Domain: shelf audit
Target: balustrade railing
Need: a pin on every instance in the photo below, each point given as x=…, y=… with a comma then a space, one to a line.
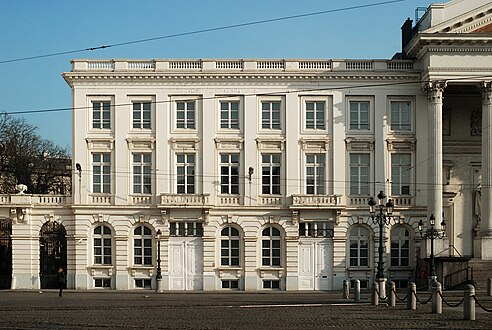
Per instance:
x=184, y=200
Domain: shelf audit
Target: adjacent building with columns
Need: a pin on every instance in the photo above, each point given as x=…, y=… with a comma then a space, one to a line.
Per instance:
x=256, y=174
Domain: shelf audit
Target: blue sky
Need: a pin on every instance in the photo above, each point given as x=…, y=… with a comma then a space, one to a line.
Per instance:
x=32, y=27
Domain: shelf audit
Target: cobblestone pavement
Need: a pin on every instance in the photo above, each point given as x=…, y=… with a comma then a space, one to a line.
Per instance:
x=238, y=310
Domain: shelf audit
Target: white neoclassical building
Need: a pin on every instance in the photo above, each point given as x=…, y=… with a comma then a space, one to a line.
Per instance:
x=256, y=174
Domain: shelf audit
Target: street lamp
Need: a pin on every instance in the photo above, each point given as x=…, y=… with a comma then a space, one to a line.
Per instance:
x=158, y=276
x=381, y=218
x=432, y=233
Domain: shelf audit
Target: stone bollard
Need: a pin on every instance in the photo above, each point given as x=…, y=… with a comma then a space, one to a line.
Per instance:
x=391, y=294
x=469, y=303
x=436, y=298
x=411, y=299
x=489, y=287
x=382, y=287
x=374, y=294
x=357, y=290
x=346, y=288
x=13, y=283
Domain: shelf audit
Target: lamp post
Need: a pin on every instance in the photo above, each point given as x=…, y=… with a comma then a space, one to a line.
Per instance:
x=432, y=233
x=158, y=276
x=381, y=217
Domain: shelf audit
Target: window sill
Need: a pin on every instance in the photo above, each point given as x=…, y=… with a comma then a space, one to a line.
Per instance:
x=108, y=269
x=149, y=270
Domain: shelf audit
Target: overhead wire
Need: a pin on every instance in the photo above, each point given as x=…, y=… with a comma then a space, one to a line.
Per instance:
x=201, y=31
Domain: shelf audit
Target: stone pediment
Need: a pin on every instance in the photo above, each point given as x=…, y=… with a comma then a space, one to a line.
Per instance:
x=458, y=16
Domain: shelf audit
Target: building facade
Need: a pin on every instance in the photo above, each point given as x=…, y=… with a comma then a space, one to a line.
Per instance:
x=256, y=174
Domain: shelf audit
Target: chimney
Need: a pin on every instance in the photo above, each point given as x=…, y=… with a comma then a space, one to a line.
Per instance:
x=406, y=33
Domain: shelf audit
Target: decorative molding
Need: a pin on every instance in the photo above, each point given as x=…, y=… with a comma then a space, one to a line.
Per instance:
x=401, y=144
x=270, y=143
x=315, y=143
x=103, y=144
x=359, y=143
x=185, y=143
x=229, y=143
x=141, y=143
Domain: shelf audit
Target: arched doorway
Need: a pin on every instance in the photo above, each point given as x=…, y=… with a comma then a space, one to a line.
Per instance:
x=5, y=253
x=52, y=253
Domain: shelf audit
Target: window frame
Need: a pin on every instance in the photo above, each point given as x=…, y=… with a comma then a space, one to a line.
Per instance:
x=318, y=183
x=144, y=239
x=359, y=239
x=105, y=235
x=190, y=188
x=359, y=184
x=229, y=258
x=404, y=168
x=397, y=126
x=144, y=176
x=142, y=123
x=370, y=113
x=230, y=182
x=101, y=166
x=270, y=124
x=188, y=122
x=229, y=121
x=272, y=167
x=272, y=247
x=102, y=111
x=396, y=252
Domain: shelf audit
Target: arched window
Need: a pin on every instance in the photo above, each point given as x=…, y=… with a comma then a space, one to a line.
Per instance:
x=229, y=247
x=359, y=247
x=102, y=245
x=400, y=247
x=270, y=247
x=142, y=246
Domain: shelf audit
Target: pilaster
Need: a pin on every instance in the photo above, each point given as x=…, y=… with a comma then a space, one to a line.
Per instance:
x=486, y=190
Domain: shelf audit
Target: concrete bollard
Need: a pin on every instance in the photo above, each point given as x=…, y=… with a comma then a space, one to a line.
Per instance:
x=346, y=288
x=469, y=303
x=382, y=287
x=489, y=287
x=436, y=298
x=374, y=294
x=411, y=299
x=391, y=294
x=357, y=290
x=13, y=283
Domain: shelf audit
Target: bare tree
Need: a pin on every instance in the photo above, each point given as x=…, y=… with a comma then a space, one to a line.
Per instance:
x=26, y=158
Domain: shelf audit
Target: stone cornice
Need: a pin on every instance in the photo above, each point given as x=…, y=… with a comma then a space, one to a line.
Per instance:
x=449, y=43
x=138, y=78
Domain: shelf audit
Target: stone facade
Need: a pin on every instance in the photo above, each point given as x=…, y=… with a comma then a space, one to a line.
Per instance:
x=256, y=174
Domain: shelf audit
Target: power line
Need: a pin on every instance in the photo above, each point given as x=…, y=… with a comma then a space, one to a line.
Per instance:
x=213, y=29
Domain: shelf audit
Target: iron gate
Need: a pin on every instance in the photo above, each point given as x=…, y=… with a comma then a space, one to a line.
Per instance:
x=5, y=253
x=52, y=253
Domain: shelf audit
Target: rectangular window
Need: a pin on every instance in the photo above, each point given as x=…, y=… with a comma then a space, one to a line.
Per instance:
x=143, y=283
x=229, y=114
x=141, y=115
x=315, y=174
x=101, y=173
x=270, y=174
x=184, y=229
x=102, y=283
x=185, y=114
x=230, y=284
x=400, y=174
x=359, y=174
x=142, y=169
x=270, y=115
x=401, y=115
x=315, y=115
x=315, y=229
x=271, y=284
x=229, y=174
x=185, y=173
x=359, y=115
x=101, y=114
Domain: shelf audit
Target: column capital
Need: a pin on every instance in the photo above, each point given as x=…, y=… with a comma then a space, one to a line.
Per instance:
x=434, y=89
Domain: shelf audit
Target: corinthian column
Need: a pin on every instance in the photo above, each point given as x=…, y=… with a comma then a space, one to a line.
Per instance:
x=434, y=92
x=486, y=225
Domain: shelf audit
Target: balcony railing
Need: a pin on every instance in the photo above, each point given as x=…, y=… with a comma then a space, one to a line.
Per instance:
x=244, y=65
x=184, y=200
x=26, y=199
x=315, y=200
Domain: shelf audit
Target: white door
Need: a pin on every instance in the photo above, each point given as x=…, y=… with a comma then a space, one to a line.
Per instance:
x=185, y=263
x=315, y=264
